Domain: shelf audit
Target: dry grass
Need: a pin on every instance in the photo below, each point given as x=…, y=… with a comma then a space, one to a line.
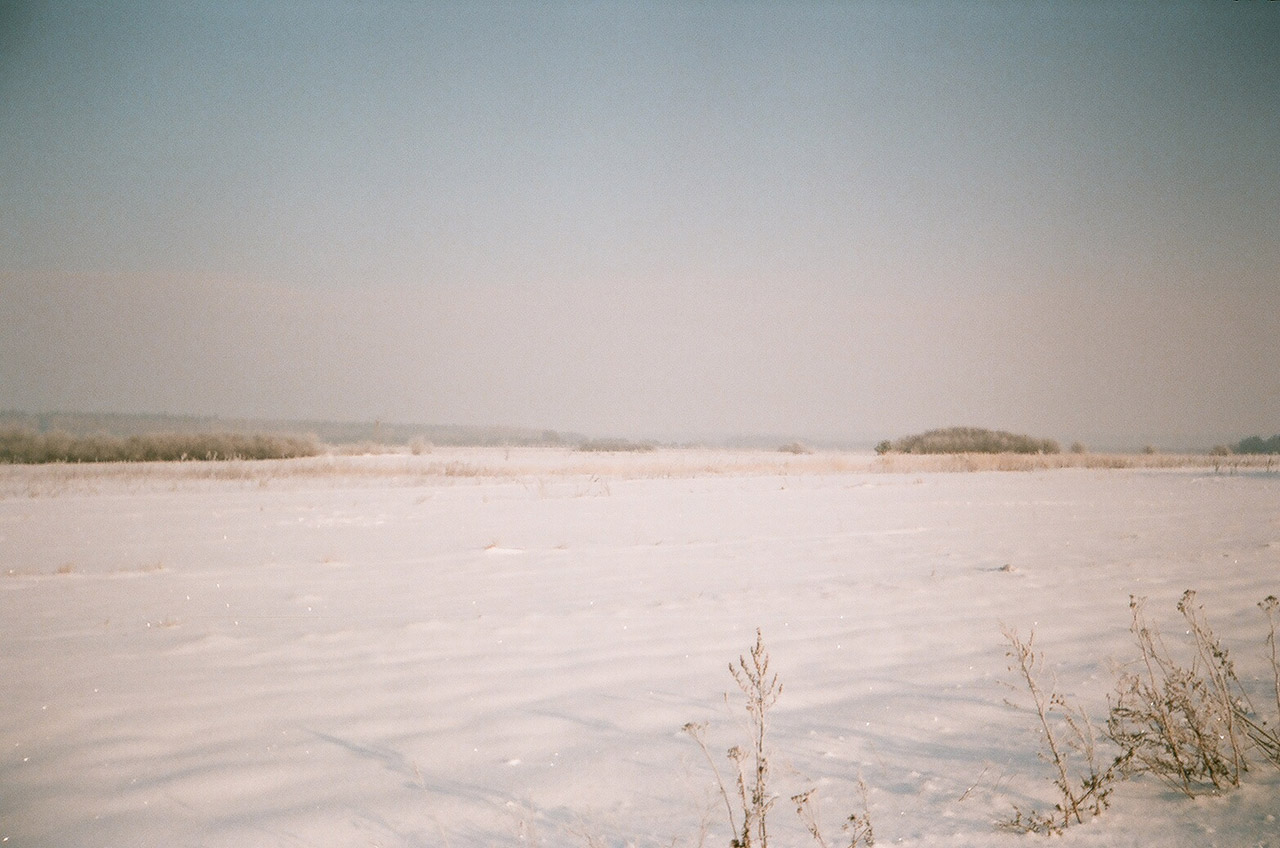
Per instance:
x=913, y=463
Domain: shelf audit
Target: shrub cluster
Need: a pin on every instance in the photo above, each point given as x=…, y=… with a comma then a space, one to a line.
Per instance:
x=20, y=446
x=968, y=440
x=797, y=448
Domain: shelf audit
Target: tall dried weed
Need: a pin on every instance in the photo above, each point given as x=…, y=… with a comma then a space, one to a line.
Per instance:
x=748, y=812
x=1180, y=717
x=1070, y=746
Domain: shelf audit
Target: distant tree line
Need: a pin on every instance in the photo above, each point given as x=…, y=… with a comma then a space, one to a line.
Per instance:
x=968, y=440
x=329, y=432
x=1257, y=444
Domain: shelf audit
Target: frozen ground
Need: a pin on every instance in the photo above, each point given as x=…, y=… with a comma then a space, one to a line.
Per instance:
x=492, y=648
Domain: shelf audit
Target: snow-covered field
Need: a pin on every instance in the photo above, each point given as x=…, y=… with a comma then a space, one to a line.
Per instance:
x=475, y=648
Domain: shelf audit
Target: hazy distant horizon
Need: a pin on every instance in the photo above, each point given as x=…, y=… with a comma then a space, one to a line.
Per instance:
x=342, y=431
x=839, y=222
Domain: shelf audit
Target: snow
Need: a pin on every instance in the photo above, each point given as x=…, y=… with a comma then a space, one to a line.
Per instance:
x=475, y=648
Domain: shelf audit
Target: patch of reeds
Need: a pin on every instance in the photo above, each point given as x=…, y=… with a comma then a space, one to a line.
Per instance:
x=27, y=447
x=615, y=446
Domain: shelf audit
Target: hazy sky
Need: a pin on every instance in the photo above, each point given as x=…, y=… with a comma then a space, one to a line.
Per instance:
x=852, y=220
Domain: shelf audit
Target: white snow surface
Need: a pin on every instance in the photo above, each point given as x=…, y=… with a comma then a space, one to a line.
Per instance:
x=396, y=651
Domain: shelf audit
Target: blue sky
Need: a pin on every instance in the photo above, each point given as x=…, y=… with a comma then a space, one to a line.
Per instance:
x=845, y=220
